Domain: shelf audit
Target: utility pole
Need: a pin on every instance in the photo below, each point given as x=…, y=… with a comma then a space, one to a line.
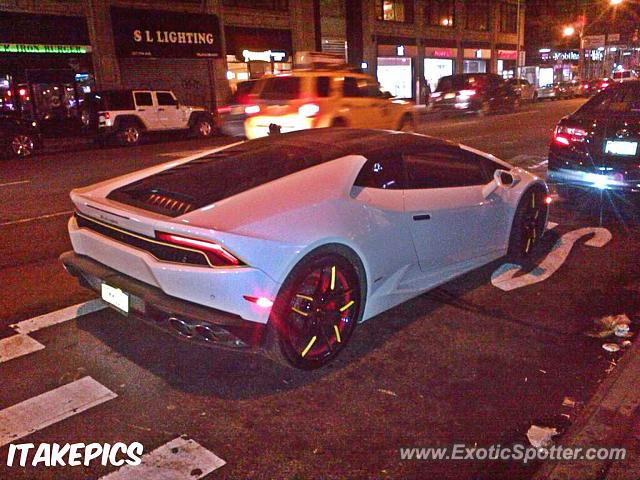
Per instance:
x=518, y=40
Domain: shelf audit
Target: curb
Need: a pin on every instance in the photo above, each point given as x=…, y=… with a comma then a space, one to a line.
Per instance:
x=607, y=421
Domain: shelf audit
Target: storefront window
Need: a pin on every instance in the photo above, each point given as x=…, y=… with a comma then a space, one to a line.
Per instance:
x=441, y=13
x=508, y=17
x=258, y=4
x=395, y=75
x=394, y=10
x=478, y=14
x=474, y=66
x=435, y=69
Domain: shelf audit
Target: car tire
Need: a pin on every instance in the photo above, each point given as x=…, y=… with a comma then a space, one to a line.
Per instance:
x=339, y=123
x=528, y=224
x=407, y=124
x=21, y=145
x=484, y=109
x=129, y=134
x=203, y=128
x=309, y=325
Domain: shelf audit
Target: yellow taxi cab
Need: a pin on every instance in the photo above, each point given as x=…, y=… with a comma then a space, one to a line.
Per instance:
x=305, y=99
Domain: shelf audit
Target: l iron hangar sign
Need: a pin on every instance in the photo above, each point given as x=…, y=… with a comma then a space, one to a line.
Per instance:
x=165, y=34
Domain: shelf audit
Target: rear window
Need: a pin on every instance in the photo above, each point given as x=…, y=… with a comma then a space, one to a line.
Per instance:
x=461, y=82
x=619, y=99
x=621, y=75
x=281, y=88
x=115, y=100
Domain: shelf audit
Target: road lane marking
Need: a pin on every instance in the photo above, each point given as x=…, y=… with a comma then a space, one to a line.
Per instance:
x=184, y=153
x=505, y=278
x=17, y=346
x=19, y=182
x=59, y=316
x=180, y=459
x=33, y=219
x=51, y=407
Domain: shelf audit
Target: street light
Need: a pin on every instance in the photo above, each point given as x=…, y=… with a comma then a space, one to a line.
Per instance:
x=615, y=2
x=568, y=31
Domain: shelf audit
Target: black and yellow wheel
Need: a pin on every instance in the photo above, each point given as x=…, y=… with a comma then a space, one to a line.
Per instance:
x=317, y=309
x=528, y=223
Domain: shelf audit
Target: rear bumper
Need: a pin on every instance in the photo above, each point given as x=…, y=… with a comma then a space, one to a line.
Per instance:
x=576, y=169
x=178, y=317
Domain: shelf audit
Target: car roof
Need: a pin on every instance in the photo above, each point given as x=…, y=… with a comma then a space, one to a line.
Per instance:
x=320, y=73
x=336, y=142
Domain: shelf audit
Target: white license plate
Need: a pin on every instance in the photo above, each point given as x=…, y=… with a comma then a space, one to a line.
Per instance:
x=620, y=147
x=449, y=95
x=115, y=297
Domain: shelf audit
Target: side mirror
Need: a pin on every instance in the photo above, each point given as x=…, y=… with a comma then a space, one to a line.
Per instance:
x=501, y=179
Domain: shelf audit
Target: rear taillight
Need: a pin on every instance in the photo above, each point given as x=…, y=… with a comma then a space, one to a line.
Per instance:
x=565, y=136
x=218, y=256
x=106, y=115
x=604, y=85
x=309, y=110
x=252, y=109
x=223, y=110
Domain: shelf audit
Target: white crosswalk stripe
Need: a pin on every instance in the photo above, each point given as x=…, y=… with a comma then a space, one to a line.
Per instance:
x=59, y=316
x=17, y=346
x=51, y=407
x=180, y=459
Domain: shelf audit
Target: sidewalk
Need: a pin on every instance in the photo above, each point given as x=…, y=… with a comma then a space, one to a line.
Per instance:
x=610, y=419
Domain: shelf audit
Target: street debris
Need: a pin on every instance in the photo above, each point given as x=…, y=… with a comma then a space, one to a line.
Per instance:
x=387, y=392
x=568, y=402
x=612, y=366
x=541, y=437
x=611, y=347
x=611, y=325
x=626, y=344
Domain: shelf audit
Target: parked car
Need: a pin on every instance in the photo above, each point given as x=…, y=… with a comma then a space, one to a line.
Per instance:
x=232, y=115
x=286, y=243
x=323, y=98
x=19, y=138
x=564, y=90
x=524, y=89
x=602, y=84
x=623, y=75
x=597, y=146
x=127, y=115
x=587, y=88
x=549, y=91
x=480, y=93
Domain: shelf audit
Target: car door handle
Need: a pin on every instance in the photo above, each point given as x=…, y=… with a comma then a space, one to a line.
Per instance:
x=422, y=216
x=142, y=109
x=161, y=109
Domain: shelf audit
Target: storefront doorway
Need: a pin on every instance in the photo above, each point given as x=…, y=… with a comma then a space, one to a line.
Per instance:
x=435, y=69
x=474, y=66
x=395, y=75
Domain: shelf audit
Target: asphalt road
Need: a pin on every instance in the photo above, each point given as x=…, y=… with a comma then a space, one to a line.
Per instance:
x=466, y=363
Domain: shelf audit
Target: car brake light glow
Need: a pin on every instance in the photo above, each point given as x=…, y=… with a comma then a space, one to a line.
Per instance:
x=106, y=115
x=548, y=199
x=562, y=140
x=565, y=136
x=604, y=85
x=262, y=302
x=216, y=253
x=309, y=110
x=252, y=109
x=225, y=109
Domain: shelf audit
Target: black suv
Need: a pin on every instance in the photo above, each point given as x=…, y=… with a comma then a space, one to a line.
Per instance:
x=480, y=93
x=597, y=146
x=18, y=137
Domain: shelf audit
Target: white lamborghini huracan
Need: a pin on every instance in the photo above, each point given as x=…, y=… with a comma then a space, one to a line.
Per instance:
x=285, y=243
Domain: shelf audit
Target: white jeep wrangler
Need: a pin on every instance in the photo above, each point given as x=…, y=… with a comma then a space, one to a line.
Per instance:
x=128, y=114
